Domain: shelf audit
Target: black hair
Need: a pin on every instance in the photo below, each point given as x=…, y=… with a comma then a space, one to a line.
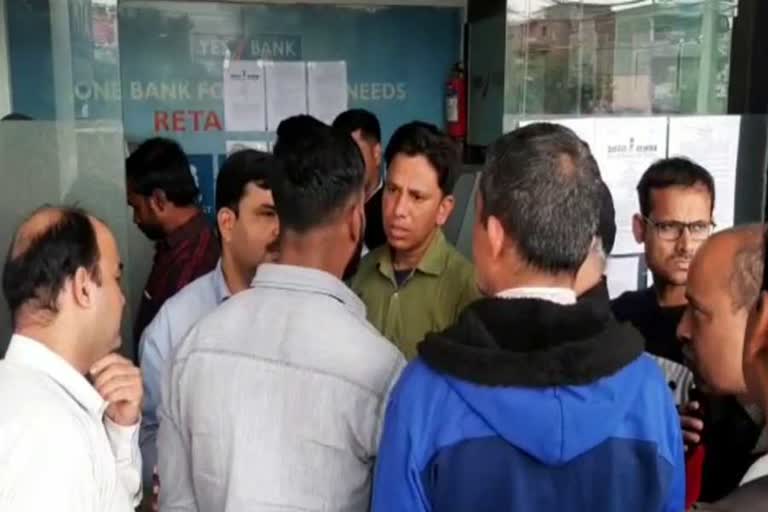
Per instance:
x=317, y=175
x=161, y=164
x=36, y=274
x=359, y=119
x=291, y=131
x=240, y=169
x=16, y=116
x=672, y=172
x=424, y=139
x=542, y=183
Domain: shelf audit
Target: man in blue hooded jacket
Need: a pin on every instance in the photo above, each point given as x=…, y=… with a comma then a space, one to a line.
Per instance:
x=532, y=401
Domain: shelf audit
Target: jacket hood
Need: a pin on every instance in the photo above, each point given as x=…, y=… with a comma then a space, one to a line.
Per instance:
x=553, y=380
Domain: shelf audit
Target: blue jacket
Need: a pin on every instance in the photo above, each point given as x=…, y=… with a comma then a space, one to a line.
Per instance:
x=531, y=406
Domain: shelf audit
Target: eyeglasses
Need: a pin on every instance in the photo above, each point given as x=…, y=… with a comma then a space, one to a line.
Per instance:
x=672, y=230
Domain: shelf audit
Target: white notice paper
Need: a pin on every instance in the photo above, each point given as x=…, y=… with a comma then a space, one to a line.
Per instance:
x=713, y=143
x=327, y=89
x=622, y=275
x=624, y=149
x=244, y=96
x=286, y=91
x=233, y=146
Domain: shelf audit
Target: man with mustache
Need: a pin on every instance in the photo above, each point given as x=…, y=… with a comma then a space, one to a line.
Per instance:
x=676, y=198
x=248, y=227
x=164, y=198
x=417, y=282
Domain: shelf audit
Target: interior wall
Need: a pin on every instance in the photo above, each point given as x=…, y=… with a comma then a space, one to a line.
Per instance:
x=5, y=88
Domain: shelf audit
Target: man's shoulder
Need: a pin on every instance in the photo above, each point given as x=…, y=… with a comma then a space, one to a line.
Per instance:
x=34, y=405
x=185, y=307
x=368, y=270
x=630, y=303
x=370, y=261
x=457, y=260
x=200, y=292
x=306, y=333
x=750, y=497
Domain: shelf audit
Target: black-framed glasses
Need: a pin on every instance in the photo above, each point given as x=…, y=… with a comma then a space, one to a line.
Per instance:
x=672, y=230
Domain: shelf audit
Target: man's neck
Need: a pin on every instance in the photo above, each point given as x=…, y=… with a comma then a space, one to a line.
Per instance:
x=55, y=340
x=669, y=295
x=236, y=277
x=409, y=260
x=318, y=250
x=180, y=217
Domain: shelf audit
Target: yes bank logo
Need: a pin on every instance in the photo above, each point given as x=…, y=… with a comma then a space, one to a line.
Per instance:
x=261, y=46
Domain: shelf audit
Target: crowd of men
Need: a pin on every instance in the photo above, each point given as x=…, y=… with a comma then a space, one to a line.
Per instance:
x=325, y=347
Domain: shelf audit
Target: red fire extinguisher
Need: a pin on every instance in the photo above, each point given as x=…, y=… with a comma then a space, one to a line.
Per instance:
x=456, y=103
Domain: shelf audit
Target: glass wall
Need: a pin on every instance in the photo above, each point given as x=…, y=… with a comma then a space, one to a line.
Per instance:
x=617, y=57
x=70, y=152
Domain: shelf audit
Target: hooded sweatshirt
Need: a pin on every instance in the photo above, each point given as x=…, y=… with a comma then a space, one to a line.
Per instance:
x=527, y=405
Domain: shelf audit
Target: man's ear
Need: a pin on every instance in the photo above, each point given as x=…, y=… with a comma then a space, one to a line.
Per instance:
x=225, y=219
x=496, y=236
x=638, y=228
x=445, y=209
x=356, y=221
x=757, y=346
x=158, y=202
x=82, y=288
x=377, y=154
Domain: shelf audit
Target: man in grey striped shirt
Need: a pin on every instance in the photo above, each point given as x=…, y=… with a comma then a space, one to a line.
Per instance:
x=275, y=400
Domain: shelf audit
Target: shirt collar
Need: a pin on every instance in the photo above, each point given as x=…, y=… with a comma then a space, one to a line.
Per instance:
x=184, y=232
x=310, y=280
x=220, y=288
x=433, y=263
x=32, y=354
x=562, y=296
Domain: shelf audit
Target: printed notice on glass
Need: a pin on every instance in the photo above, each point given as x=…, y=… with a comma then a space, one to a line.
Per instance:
x=624, y=149
x=233, y=146
x=286, y=91
x=327, y=89
x=244, y=93
x=623, y=275
x=713, y=143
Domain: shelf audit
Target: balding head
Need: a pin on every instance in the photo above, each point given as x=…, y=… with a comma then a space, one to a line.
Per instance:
x=723, y=284
x=732, y=260
x=47, y=249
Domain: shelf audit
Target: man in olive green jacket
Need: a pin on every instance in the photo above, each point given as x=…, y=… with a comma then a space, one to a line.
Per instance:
x=417, y=282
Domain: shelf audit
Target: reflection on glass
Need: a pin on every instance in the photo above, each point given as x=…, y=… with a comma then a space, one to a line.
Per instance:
x=64, y=69
x=620, y=56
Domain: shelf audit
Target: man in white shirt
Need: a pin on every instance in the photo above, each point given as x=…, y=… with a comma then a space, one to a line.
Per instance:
x=247, y=224
x=71, y=407
x=275, y=400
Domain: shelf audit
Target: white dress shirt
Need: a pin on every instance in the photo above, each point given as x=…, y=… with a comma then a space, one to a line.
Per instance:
x=57, y=449
x=562, y=296
x=174, y=320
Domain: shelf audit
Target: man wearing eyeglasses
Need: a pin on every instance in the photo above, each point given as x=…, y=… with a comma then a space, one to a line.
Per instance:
x=676, y=198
